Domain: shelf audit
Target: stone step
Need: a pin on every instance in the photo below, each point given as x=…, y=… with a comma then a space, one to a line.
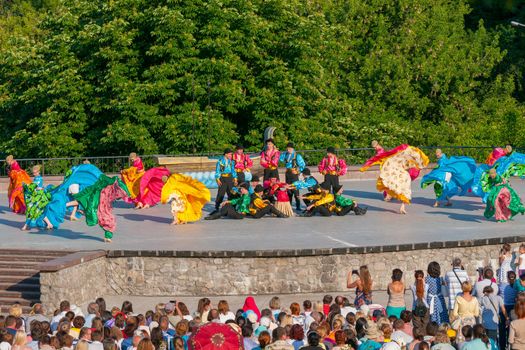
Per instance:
x=7, y=301
x=27, y=257
x=47, y=253
x=31, y=265
x=20, y=287
x=11, y=280
x=17, y=272
x=29, y=295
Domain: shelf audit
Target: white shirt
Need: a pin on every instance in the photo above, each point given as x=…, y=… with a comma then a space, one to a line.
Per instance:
x=56, y=320
x=347, y=309
x=229, y=316
x=479, y=286
x=5, y=346
x=96, y=345
x=402, y=335
x=454, y=285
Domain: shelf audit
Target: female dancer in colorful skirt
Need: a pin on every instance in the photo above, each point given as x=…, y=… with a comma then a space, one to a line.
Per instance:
x=395, y=171
x=503, y=202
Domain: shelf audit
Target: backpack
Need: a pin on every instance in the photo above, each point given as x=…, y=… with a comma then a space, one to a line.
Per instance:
x=420, y=310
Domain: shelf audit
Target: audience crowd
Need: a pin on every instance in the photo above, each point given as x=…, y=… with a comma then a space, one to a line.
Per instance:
x=485, y=314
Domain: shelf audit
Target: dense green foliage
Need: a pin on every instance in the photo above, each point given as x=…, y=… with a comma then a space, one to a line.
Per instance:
x=101, y=77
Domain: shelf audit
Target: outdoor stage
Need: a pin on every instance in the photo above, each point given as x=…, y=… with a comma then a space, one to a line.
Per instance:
x=151, y=230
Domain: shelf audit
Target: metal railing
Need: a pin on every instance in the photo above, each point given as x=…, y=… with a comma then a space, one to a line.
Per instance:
x=113, y=164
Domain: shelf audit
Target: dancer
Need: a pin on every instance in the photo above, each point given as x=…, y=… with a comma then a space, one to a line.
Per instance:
x=15, y=191
x=253, y=183
x=453, y=176
x=243, y=164
x=55, y=200
x=394, y=171
x=187, y=197
x=260, y=207
x=97, y=201
x=281, y=190
x=307, y=181
x=132, y=175
x=497, y=153
x=270, y=160
x=226, y=177
x=294, y=164
x=322, y=202
x=151, y=187
x=344, y=205
x=503, y=202
x=36, y=199
x=331, y=167
x=236, y=208
x=505, y=166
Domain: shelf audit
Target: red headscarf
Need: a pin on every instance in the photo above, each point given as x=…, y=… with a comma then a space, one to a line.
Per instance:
x=249, y=304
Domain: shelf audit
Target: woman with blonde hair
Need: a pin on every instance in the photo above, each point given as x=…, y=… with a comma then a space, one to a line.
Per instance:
x=82, y=345
x=466, y=309
x=362, y=284
x=20, y=341
x=275, y=307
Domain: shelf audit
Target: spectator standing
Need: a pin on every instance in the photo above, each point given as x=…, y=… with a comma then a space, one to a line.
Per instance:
x=466, y=309
x=488, y=275
x=224, y=312
x=517, y=328
x=396, y=295
x=363, y=285
x=36, y=313
x=279, y=340
x=454, y=280
x=435, y=299
x=420, y=307
x=492, y=305
x=480, y=340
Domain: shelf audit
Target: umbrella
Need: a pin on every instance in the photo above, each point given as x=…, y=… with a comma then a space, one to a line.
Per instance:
x=216, y=336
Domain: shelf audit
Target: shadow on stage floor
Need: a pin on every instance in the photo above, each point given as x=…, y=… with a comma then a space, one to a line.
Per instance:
x=142, y=217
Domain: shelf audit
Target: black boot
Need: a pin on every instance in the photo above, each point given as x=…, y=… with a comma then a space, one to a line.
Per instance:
x=213, y=216
x=298, y=205
x=359, y=210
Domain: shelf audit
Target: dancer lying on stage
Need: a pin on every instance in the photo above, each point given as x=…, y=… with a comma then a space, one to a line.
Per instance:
x=186, y=196
x=319, y=201
x=452, y=177
x=395, y=169
x=344, y=205
x=236, y=208
x=503, y=202
x=15, y=191
x=260, y=207
x=332, y=167
x=132, y=175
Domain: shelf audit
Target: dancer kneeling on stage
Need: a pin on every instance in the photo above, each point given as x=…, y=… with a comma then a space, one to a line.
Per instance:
x=344, y=205
x=236, y=208
x=260, y=207
x=320, y=201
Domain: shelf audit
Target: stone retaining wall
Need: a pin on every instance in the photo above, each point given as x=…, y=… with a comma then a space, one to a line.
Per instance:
x=176, y=273
x=77, y=279
x=150, y=276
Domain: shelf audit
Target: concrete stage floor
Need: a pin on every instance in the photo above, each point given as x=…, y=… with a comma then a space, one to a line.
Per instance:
x=151, y=230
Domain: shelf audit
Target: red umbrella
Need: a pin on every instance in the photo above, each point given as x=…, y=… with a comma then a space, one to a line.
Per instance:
x=216, y=336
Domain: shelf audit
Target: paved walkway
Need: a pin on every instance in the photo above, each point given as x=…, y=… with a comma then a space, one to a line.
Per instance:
x=150, y=229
